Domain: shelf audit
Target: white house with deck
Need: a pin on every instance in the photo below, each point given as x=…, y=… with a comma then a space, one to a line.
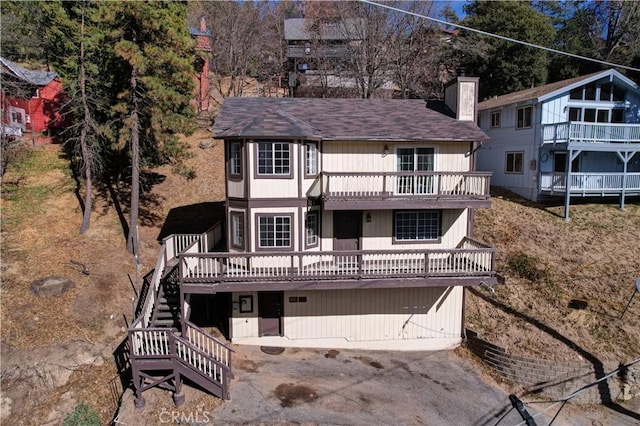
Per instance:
x=349, y=221
x=349, y=224
x=584, y=131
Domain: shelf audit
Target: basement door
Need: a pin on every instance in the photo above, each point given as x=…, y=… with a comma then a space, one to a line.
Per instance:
x=270, y=313
x=347, y=229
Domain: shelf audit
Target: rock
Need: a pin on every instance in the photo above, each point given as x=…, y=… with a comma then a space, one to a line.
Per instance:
x=51, y=286
x=207, y=144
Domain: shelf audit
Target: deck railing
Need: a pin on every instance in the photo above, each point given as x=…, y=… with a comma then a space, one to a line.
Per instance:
x=591, y=132
x=590, y=183
x=472, y=259
x=196, y=349
x=325, y=51
x=404, y=184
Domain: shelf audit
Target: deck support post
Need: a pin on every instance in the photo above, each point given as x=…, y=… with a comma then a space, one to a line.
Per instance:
x=567, y=187
x=625, y=157
x=138, y=382
x=178, y=396
x=572, y=155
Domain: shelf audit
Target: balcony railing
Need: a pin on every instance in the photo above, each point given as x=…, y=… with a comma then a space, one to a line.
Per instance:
x=320, y=51
x=406, y=184
x=590, y=183
x=591, y=132
x=470, y=259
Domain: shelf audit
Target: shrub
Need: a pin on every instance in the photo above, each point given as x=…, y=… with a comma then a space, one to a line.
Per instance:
x=528, y=267
x=82, y=415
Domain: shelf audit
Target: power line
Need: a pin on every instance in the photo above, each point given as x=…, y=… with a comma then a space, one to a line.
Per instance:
x=513, y=40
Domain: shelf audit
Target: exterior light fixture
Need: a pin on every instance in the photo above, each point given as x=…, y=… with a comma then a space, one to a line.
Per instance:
x=385, y=150
x=368, y=217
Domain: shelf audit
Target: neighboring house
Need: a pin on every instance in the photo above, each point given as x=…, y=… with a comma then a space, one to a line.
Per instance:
x=316, y=51
x=201, y=64
x=31, y=100
x=349, y=225
x=585, y=130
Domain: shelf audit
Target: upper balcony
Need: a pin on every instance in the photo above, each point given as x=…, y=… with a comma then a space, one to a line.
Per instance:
x=596, y=136
x=404, y=190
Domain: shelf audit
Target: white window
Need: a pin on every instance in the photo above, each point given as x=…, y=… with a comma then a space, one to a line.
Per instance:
x=415, y=160
x=237, y=229
x=417, y=225
x=311, y=226
x=274, y=158
x=274, y=231
x=495, y=119
x=515, y=161
x=311, y=158
x=235, y=158
x=523, y=117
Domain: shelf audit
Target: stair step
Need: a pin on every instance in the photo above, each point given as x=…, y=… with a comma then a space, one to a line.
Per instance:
x=163, y=322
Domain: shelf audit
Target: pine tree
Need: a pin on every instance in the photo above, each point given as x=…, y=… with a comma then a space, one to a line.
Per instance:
x=152, y=83
x=509, y=66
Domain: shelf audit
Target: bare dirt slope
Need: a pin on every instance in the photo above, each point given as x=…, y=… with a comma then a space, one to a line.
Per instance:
x=549, y=265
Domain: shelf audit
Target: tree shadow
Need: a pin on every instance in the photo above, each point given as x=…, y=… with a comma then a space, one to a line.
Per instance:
x=598, y=367
x=192, y=219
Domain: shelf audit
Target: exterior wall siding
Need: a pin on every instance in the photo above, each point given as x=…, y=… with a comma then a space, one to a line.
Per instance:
x=272, y=187
x=362, y=315
x=492, y=155
x=370, y=157
x=376, y=314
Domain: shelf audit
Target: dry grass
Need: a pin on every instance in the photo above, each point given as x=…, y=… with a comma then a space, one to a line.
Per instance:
x=41, y=216
x=593, y=258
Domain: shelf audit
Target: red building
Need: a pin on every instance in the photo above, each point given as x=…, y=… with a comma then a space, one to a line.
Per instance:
x=31, y=100
x=201, y=64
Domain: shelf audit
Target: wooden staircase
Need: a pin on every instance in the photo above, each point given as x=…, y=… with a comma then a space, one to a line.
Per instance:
x=164, y=347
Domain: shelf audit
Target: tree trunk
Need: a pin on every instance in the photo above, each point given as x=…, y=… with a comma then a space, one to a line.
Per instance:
x=132, y=240
x=86, y=152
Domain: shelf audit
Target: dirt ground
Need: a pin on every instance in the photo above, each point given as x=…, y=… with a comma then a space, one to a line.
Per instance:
x=56, y=352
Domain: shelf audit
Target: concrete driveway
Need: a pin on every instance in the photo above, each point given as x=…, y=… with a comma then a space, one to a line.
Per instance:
x=350, y=387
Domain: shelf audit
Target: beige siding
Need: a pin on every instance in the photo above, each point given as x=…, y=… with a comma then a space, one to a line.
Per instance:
x=375, y=314
x=370, y=157
x=467, y=101
x=378, y=234
x=273, y=187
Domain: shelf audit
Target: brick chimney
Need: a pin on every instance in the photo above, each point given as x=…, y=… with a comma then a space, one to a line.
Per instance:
x=461, y=97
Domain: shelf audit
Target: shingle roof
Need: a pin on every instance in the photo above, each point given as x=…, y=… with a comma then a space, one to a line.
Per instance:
x=531, y=94
x=340, y=119
x=38, y=78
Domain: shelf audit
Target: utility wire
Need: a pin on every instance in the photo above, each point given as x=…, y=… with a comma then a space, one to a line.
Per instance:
x=513, y=40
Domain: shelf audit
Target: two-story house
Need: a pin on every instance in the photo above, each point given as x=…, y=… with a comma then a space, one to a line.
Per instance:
x=584, y=131
x=348, y=225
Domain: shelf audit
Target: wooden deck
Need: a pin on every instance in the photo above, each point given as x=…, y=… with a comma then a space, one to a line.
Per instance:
x=593, y=133
x=590, y=184
x=473, y=262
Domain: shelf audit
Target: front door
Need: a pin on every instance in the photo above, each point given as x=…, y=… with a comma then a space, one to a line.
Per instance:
x=270, y=313
x=347, y=228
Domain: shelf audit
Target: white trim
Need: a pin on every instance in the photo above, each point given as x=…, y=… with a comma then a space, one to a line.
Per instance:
x=427, y=344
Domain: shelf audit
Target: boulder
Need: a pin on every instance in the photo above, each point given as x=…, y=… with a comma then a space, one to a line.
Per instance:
x=51, y=286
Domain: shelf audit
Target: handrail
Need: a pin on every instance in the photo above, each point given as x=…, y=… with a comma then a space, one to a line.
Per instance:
x=578, y=131
x=171, y=246
x=406, y=184
x=472, y=260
